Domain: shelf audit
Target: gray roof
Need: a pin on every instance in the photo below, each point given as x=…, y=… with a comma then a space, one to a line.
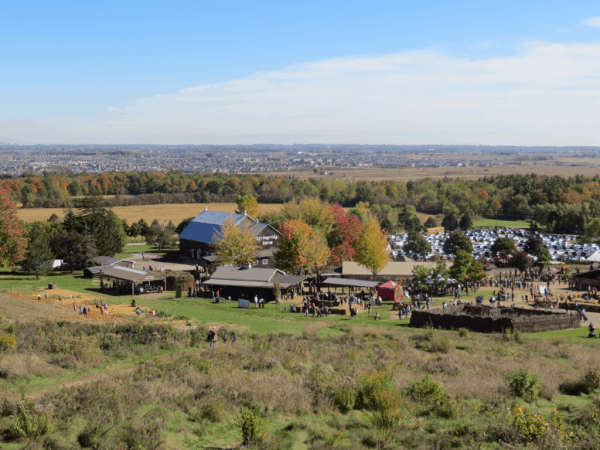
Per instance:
x=251, y=274
x=351, y=283
x=134, y=275
x=253, y=277
x=105, y=260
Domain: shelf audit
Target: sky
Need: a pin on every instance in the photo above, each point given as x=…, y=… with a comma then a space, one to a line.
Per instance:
x=245, y=72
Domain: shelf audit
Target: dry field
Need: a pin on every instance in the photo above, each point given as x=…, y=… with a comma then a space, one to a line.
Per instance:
x=418, y=173
x=163, y=213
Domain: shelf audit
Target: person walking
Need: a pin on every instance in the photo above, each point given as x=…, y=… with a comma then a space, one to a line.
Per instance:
x=212, y=336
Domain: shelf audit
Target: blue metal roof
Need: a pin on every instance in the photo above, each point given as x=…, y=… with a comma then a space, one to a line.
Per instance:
x=206, y=224
x=216, y=217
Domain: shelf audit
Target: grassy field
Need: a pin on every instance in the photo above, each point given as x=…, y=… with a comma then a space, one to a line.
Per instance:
x=500, y=223
x=309, y=383
x=163, y=213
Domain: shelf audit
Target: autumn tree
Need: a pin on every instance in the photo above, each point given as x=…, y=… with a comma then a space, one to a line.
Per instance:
x=314, y=251
x=13, y=243
x=287, y=256
x=371, y=248
x=235, y=244
x=344, y=235
x=247, y=204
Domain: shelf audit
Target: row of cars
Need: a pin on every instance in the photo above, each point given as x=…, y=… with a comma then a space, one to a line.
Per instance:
x=561, y=247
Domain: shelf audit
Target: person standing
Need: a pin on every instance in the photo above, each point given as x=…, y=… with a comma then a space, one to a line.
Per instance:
x=256, y=301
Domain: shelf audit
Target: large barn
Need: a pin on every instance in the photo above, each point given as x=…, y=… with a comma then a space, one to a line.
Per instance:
x=197, y=238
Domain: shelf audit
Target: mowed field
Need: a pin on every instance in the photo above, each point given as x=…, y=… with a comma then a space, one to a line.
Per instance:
x=163, y=213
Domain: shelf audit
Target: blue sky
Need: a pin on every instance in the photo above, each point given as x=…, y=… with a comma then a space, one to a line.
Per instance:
x=121, y=71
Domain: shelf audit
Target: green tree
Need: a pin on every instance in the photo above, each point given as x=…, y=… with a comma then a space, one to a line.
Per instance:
x=533, y=244
x=144, y=227
x=466, y=222
x=73, y=248
x=235, y=244
x=544, y=257
x=421, y=276
x=457, y=241
x=439, y=276
x=430, y=223
x=108, y=234
x=38, y=259
x=521, y=260
x=505, y=246
x=160, y=236
x=450, y=222
x=417, y=244
x=465, y=268
x=183, y=225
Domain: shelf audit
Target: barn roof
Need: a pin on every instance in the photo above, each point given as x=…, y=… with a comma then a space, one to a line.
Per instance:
x=204, y=226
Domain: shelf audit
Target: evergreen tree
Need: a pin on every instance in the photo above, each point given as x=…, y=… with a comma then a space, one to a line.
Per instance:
x=466, y=222
x=38, y=259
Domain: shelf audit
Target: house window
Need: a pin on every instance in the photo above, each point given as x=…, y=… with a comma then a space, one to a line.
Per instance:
x=265, y=262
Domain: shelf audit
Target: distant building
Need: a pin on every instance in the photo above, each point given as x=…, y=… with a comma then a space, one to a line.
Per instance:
x=198, y=237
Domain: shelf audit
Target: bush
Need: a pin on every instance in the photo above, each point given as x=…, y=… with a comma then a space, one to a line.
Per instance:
x=370, y=384
x=250, y=425
x=204, y=366
x=425, y=391
x=440, y=344
x=30, y=423
x=463, y=332
x=524, y=384
x=591, y=380
x=7, y=342
x=345, y=398
x=213, y=412
x=530, y=426
x=435, y=399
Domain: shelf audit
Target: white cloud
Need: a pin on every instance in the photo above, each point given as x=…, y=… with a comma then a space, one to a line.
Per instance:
x=593, y=22
x=544, y=94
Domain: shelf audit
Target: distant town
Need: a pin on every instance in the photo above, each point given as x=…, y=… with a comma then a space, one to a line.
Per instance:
x=22, y=159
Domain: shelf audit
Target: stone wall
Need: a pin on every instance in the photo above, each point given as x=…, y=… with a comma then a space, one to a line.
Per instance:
x=487, y=319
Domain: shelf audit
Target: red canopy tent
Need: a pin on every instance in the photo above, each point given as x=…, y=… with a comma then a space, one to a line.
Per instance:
x=390, y=291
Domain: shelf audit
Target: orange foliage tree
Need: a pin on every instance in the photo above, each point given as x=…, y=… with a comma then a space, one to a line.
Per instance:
x=13, y=244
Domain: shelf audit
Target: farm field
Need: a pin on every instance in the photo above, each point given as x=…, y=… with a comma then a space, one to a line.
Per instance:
x=163, y=213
